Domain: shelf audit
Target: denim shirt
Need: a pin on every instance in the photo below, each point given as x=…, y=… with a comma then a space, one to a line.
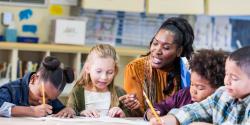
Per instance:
x=16, y=93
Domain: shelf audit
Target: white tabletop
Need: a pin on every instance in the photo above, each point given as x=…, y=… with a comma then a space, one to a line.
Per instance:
x=73, y=121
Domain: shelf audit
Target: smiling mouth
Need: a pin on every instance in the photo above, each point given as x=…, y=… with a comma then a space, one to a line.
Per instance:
x=156, y=60
x=102, y=83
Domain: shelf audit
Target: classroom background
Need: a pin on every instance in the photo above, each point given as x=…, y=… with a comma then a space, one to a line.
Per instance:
x=33, y=29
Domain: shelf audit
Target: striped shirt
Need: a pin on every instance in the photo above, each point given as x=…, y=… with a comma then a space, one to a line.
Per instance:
x=219, y=108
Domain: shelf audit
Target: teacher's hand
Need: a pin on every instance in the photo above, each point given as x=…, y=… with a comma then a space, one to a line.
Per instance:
x=130, y=101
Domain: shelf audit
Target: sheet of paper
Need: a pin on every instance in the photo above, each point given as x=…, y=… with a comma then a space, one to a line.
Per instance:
x=101, y=119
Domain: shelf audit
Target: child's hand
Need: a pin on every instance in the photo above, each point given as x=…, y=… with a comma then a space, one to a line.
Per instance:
x=130, y=101
x=90, y=113
x=41, y=110
x=150, y=114
x=116, y=112
x=153, y=121
x=67, y=112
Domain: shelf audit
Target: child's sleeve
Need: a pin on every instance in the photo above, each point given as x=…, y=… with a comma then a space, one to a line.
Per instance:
x=166, y=105
x=198, y=111
x=179, y=99
x=5, y=99
x=76, y=99
x=57, y=106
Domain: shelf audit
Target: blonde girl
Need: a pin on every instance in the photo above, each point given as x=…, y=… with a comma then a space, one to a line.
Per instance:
x=95, y=94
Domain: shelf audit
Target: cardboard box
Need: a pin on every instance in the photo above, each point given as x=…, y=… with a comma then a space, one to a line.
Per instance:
x=69, y=31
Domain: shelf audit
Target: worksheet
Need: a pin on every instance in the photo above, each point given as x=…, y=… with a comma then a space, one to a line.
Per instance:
x=131, y=121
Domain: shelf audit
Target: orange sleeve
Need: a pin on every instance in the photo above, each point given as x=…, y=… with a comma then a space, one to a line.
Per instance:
x=133, y=82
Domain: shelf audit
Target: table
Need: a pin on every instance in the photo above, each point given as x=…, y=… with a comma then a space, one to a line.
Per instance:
x=74, y=121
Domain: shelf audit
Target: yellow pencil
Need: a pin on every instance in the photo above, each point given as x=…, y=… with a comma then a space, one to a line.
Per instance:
x=151, y=107
x=43, y=93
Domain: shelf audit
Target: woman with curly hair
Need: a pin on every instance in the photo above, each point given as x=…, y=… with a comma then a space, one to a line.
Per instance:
x=206, y=76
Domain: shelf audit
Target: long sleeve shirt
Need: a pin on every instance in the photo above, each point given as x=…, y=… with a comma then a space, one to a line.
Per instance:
x=16, y=93
x=219, y=108
x=179, y=99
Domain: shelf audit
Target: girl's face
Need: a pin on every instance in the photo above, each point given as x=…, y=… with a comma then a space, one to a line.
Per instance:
x=236, y=81
x=36, y=93
x=200, y=87
x=163, y=50
x=102, y=72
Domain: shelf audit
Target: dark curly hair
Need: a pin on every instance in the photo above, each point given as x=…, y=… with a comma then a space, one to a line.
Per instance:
x=209, y=64
x=183, y=34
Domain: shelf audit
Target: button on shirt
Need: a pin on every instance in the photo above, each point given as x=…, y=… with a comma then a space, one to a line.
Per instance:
x=219, y=108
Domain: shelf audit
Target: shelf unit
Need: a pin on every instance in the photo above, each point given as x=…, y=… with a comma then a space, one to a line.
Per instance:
x=70, y=55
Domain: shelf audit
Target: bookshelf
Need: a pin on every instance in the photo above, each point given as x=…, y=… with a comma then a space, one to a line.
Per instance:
x=70, y=55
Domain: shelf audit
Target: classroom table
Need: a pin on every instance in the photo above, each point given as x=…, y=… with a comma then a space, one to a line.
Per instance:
x=76, y=121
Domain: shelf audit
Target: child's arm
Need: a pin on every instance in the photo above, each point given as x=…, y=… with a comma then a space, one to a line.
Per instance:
x=76, y=99
x=203, y=111
x=180, y=98
x=33, y=111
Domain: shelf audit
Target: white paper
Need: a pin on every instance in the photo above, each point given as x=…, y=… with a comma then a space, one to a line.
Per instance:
x=7, y=18
x=101, y=119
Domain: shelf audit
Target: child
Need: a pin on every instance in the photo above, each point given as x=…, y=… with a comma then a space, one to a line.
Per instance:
x=23, y=97
x=204, y=64
x=95, y=94
x=228, y=105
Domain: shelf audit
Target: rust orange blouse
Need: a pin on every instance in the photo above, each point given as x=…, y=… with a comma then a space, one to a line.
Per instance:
x=134, y=81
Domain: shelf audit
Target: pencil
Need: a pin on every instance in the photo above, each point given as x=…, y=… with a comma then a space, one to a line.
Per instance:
x=151, y=107
x=43, y=93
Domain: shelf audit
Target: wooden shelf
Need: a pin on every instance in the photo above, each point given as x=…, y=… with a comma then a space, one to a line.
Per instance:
x=176, y=6
x=122, y=51
x=70, y=55
x=115, y=5
x=227, y=7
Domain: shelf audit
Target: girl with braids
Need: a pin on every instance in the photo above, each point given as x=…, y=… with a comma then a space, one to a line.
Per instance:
x=207, y=74
x=23, y=97
x=95, y=94
x=159, y=73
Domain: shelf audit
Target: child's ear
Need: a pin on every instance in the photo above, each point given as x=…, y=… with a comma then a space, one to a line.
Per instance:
x=87, y=67
x=33, y=78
